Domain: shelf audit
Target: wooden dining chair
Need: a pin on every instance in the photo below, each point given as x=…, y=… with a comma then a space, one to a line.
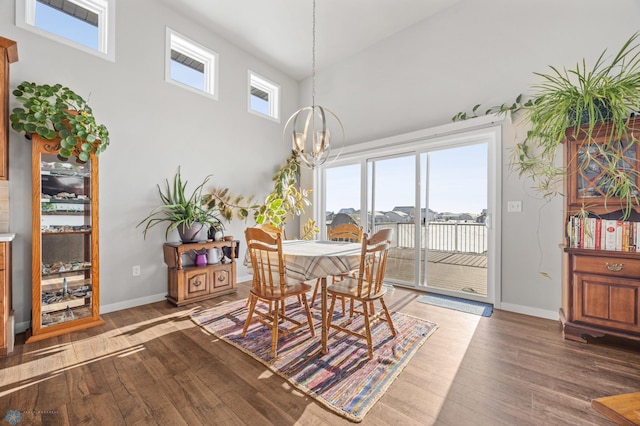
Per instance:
x=272, y=230
x=367, y=288
x=347, y=232
x=270, y=286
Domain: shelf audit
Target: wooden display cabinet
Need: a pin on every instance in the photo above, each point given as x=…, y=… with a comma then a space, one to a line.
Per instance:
x=65, y=259
x=190, y=283
x=601, y=287
x=6, y=310
x=8, y=55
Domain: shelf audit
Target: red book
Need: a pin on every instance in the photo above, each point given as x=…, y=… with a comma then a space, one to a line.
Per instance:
x=598, y=236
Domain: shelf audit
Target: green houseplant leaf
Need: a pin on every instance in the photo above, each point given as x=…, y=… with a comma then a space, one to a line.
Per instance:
x=55, y=111
x=178, y=210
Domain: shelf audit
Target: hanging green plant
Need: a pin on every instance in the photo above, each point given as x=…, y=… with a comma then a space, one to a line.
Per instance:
x=54, y=111
x=576, y=101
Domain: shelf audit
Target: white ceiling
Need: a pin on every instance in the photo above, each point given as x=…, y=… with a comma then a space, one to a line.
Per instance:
x=280, y=31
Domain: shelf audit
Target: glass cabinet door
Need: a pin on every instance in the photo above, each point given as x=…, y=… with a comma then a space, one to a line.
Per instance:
x=66, y=250
x=596, y=176
x=65, y=289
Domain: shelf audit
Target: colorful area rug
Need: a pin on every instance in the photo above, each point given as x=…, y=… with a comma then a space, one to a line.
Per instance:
x=469, y=306
x=344, y=380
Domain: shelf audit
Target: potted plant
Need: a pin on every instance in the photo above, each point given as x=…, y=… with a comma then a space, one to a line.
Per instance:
x=577, y=100
x=572, y=102
x=54, y=111
x=189, y=215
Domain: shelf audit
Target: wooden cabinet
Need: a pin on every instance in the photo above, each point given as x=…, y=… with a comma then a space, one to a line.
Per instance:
x=65, y=258
x=6, y=310
x=8, y=55
x=188, y=283
x=601, y=287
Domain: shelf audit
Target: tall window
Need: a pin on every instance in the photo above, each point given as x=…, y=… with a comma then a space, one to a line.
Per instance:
x=191, y=65
x=264, y=96
x=88, y=25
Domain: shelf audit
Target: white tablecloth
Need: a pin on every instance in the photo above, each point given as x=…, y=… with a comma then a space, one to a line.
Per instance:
x=307, y=260
x=310, y=259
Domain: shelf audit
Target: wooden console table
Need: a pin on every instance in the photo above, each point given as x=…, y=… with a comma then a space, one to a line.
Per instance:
x=190, y=283
x=622, y=409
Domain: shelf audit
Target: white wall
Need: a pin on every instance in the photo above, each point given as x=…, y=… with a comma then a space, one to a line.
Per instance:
x=480, y=52
x=155, y=127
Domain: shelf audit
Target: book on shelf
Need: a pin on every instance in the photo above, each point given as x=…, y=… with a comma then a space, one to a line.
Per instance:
x=603, y=234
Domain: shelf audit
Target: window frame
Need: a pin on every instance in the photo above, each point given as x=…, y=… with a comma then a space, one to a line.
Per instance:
x=194, y=50
x=106, y=11
x=271, y=88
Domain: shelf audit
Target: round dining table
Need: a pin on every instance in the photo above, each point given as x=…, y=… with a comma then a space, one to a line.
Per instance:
x=306, y=260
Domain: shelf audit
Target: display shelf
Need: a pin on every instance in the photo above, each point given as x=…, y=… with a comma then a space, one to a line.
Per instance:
x=601, y=261
x=65, y=290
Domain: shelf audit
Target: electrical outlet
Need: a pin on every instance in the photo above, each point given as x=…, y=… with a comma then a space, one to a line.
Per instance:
x=136, y=270
x=514, y=206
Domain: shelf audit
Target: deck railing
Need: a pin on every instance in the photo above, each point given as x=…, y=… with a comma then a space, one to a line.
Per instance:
x=459, y=237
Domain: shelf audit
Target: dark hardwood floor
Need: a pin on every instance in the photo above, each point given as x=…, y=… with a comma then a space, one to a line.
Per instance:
x=152, y=365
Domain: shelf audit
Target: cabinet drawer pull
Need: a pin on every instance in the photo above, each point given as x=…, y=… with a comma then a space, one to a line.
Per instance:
x=197, y=283
x=615, y=267
x=222, y=278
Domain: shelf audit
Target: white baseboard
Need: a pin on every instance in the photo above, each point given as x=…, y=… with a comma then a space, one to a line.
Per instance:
x=527, y=310
x=132, y=303
x=244, y=278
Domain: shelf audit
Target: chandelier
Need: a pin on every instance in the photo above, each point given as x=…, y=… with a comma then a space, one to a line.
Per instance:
x=309, y=131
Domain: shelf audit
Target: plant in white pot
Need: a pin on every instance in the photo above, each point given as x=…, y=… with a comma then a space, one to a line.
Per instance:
x=188, y=215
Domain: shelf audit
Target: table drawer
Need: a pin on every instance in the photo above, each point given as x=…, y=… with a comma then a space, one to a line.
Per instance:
x=613, y=266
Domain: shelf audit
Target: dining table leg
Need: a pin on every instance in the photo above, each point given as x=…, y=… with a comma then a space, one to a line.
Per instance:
x=323, y=311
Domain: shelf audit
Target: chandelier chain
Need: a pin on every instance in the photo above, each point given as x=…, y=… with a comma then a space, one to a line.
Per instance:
x=313, y=59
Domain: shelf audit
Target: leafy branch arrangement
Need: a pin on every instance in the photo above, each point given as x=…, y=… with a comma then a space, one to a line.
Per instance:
x=285, y=200
x=514, y=107
x=54, y=111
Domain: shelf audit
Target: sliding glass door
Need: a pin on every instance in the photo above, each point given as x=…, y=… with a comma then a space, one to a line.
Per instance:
x=391, y=193
x=454, y=214
x=438, y=197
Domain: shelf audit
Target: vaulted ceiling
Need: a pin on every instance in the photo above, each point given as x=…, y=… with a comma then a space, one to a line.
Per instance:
x=280, y=31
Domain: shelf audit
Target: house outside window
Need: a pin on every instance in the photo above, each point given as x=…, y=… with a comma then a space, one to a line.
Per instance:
x=264, y=97
x=190, y=65
x=88, y=25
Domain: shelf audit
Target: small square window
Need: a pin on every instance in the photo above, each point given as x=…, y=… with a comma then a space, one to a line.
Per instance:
x=88, y=25
x=264, y=97
x=190, y=65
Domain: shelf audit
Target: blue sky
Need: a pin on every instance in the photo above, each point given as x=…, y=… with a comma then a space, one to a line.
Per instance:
x=458, y=180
